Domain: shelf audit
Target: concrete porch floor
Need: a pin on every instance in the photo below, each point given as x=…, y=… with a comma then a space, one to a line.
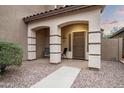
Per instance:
x=66, y=62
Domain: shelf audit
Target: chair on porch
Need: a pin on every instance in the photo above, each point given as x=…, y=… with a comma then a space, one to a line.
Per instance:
x=64, y=54
x=46, y=52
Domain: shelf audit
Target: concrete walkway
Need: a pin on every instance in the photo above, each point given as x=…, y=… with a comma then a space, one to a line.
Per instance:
x=61, y=78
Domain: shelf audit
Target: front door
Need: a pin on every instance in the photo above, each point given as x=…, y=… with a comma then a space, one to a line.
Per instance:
x=79, y=45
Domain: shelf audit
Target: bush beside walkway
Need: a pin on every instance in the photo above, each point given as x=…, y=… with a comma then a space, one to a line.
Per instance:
x=10, y=54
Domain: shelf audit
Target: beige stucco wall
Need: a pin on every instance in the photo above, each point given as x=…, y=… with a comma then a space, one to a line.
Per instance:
x=12, y=27
x=69, y=29
x=91, y=15
x=42, y=41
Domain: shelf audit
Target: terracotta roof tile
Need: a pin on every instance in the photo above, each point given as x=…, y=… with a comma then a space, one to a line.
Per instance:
x=56, y=11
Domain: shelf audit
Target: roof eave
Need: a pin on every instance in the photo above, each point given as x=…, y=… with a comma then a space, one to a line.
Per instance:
x=117, y=33
x=55, y=12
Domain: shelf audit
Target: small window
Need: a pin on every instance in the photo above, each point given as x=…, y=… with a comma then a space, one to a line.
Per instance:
x=69, y=42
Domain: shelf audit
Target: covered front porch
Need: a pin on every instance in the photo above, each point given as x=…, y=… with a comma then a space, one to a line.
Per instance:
x=76, y=31
x=74, y=44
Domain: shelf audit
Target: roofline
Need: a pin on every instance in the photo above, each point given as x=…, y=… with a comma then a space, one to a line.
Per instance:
x=56, y=11
x=117, y=33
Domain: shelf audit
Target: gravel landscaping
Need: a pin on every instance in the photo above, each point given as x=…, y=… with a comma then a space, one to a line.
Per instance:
x=110, y=75
x=26, y=75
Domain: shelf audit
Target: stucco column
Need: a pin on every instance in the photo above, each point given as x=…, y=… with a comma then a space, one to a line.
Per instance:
x=94, y=44
x=31, y=44
x=55, y=44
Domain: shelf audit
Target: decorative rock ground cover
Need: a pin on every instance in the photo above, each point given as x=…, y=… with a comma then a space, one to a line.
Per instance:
x=111, y=75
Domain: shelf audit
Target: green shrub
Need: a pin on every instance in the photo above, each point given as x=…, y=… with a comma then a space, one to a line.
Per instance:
x=10, y=54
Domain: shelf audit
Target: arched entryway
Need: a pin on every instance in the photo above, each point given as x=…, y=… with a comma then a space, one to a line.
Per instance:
x=57, y=21
x=74, y=38
x=38, y=42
